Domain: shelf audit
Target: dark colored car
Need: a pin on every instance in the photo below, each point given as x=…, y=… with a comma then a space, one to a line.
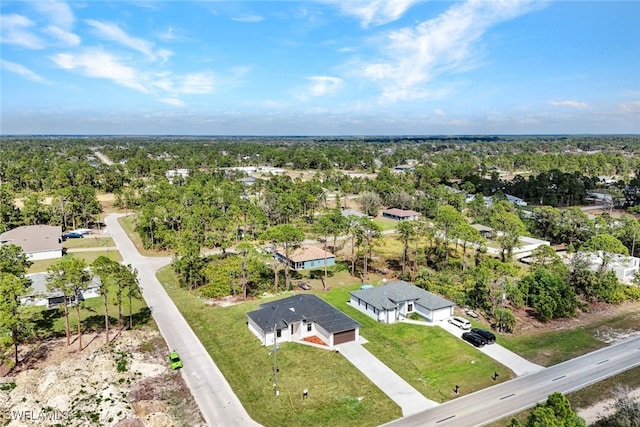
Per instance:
x=474, y=339
x=488, y=336
x=304, y=285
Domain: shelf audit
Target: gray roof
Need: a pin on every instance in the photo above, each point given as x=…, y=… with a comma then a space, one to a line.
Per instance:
x=347, y=212
x=39, y=284
x=34, y=238
x=281, y=313
x=387, y=296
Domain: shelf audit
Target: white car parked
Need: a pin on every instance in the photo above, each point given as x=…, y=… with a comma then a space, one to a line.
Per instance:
x=460, y=322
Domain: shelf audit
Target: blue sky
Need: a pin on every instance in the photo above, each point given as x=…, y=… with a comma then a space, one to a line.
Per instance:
x=327, y=67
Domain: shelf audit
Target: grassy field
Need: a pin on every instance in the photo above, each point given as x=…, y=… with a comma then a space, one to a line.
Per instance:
x=386, y=223
x=51, y=322
x=43, y=265
x=428, y=358
x=89, y=242
x=552, y=347
x=129, y=224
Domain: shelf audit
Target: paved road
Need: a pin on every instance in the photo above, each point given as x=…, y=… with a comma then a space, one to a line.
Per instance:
x=410, y=400
x=218, y=404
x=499, y=401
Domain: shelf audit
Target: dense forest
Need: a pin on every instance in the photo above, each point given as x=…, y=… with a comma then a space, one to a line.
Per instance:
x=222, y=227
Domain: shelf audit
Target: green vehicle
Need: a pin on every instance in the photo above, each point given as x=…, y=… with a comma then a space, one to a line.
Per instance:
x=174, y=360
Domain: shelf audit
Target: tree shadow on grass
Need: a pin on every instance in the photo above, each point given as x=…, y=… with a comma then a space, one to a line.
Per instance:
x=141, y=317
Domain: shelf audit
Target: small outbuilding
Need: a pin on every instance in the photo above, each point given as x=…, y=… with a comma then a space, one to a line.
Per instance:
x=306, y=257
x=394, y=301
x=301, y=316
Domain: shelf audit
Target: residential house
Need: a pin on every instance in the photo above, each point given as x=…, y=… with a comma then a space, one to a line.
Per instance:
x=624, y=266
x=37, y=241
x=176, y=173
x=351, y=212
x=397, y=300
x=301, y=316
x=404, y=168
x=306, y=257
x=516, y=200
x=39, y=295
x=525, y=247
x=400, y=214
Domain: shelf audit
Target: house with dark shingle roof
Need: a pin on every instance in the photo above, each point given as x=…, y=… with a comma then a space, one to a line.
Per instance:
x=37, y=241
x=302, y=316
x=394, y=301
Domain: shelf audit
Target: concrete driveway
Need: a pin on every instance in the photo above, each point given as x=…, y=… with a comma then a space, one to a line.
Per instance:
x=410, y=400
x=519, y=365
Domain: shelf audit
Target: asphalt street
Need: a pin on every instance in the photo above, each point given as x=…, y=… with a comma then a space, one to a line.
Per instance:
x=499, y=401
x=217, y=402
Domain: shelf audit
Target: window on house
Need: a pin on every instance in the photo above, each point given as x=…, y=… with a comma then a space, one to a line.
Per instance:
x=309, y=327
x=410, y=307
x=279, y=333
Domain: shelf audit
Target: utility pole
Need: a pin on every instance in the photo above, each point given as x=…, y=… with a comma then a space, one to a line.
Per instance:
x=274, y=350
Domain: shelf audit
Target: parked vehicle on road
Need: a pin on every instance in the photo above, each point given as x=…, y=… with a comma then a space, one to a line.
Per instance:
x=460, y=322
x=489, y=337
x=474, y=339
x=174, y=360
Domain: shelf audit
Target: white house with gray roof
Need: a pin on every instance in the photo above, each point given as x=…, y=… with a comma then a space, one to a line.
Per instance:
x=394, y=301
x=38, y=293
x=301, y=316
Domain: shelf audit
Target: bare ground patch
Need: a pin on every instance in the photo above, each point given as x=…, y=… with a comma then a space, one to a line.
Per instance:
x=125, y=383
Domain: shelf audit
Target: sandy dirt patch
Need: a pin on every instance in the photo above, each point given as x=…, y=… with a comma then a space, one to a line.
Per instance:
x=127, y=382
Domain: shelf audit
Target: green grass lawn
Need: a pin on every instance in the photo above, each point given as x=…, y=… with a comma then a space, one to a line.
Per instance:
x=89, y=242
x=43, y=265
x=550, y=348
x=386, y=223
x=129, y=224
x=51, y=322
x=427, y=357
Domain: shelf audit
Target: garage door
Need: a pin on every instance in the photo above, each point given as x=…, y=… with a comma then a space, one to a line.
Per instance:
x=342, y=337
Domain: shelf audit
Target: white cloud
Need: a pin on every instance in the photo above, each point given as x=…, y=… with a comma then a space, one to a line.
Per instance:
x=58, y=12
x=320, y=86
x=16, y=29
x=60, y=19
x=172, y=101
x=102, y=65
x=197, y=83
x=414, y=56
x=630, y=107
x=112, y=32
x=572, y=104
x=249, y=18
x=374, y=12
x=67, y=37
x=22, y=71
